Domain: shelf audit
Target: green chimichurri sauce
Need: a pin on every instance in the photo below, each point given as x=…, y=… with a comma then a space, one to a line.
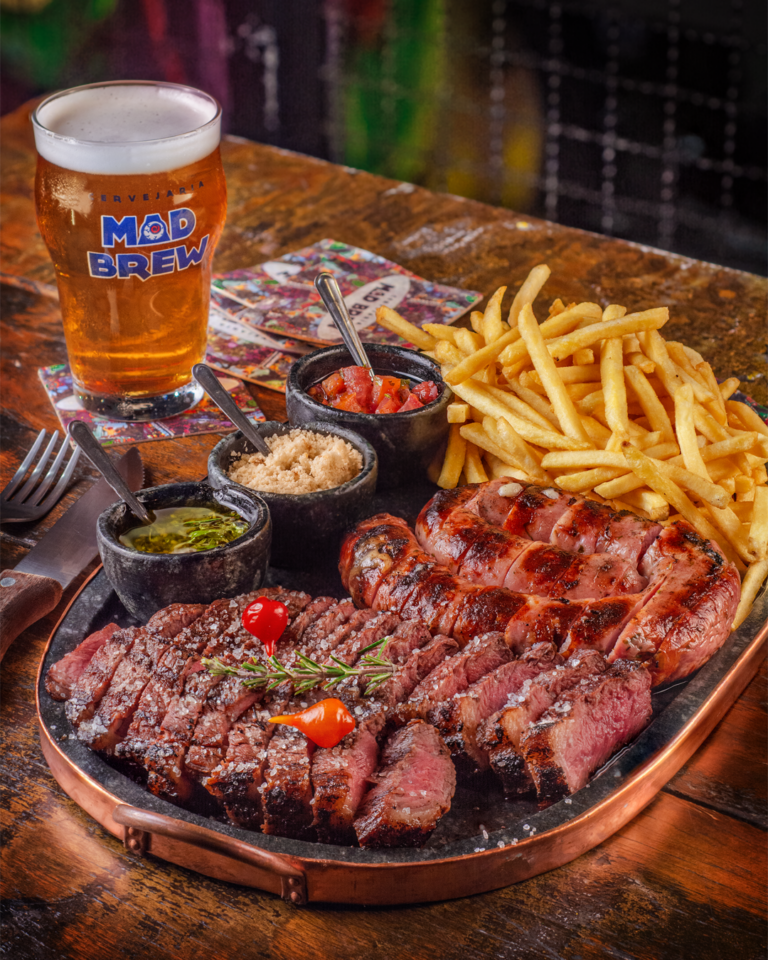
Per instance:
x=186, y=530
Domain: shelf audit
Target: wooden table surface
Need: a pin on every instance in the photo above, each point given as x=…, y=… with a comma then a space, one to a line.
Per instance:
x=686, y=878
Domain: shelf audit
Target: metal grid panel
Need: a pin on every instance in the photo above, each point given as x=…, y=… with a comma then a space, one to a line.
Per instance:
x=643, y=120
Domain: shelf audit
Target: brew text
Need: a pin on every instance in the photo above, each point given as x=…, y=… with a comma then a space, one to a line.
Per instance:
x=154, y=230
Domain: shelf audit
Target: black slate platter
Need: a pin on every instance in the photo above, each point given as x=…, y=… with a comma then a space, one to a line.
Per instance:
x=480, y=818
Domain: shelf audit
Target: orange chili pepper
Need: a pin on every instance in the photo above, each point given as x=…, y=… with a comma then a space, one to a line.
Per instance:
x=325, y=723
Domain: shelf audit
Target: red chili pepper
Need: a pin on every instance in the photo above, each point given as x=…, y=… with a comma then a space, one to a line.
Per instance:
x=266, y=620
x=325, y=723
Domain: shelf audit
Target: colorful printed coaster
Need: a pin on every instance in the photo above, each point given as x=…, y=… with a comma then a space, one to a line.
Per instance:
x=204, y=418
x=236, y=348
x=279, y=297
x=759, y=409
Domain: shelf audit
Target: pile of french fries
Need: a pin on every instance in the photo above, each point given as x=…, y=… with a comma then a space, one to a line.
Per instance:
x=596, y=402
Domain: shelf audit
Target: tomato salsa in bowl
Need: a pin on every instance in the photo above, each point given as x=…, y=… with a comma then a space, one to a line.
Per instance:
x=324, y=385
x=360, y=390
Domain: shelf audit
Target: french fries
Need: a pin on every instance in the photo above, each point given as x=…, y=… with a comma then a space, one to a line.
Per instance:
x=598, y=402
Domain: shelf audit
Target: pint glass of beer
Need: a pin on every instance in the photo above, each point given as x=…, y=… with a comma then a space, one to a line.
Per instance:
x=131, y=201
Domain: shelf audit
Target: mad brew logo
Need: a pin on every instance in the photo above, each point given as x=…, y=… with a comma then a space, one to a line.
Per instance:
x=151, y=231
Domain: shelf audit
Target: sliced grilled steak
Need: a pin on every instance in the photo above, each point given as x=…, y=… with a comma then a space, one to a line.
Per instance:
x=295, y=629
x=93, y=682
x=286, y=792
x=416, y=668
x=63, y=675
x=416, y=783
x=375, y=626
x=454, y=675
x=459, y=717
x=237, y=780
x=194, y=731
x=341, y=774
x=501, y=733
x=287, y=788
x=116, y=709
x=148, y=744
x=201, y=714
x=585, y=727
x=97, y=677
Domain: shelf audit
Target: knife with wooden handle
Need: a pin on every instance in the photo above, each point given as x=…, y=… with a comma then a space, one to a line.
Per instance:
x=34, y=587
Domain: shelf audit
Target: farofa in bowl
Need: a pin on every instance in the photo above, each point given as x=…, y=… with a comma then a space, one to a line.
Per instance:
x=301, y=461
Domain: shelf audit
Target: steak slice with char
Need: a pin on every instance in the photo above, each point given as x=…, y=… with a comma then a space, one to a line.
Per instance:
x=93, y=682
x=118, y=705
x=459, y=717
x=374, y=627
x=416, y=783
x=454, y=675
x=341, y=774
x=501, y=733
x=194, y=731
x=286, y=791
x=416, y=668
x=287, y=788
x=585, y=727
x=63, y=675
x=237, y=780
x=151, y=746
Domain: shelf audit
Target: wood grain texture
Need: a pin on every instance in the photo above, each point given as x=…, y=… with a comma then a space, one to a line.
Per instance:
x=24, y=598
x=685, y=879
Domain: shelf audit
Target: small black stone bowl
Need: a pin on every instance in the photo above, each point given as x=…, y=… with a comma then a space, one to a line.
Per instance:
x=405, y=442
x=146, y=582
x=307, y=527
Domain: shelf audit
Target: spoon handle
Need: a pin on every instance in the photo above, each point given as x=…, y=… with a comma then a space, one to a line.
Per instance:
x=334, y=303
x=210, y=383
x=84, y=438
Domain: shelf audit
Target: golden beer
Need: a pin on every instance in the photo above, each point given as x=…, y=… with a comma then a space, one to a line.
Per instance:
x=131, y=201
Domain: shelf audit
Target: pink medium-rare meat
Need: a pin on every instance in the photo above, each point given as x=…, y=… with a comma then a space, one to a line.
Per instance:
x=584, y=728
x=690, y=613
x=459, y=717
x=166, y=682
x=97, y=676
x=64, y=674
x=200, y=714
x=418, y=666
x=479, y=657
x=416, y=783
x=236, y=781
x=228, y=699
x=499, y=736
x=286, y=791
x=470, y=546
x=341, y=775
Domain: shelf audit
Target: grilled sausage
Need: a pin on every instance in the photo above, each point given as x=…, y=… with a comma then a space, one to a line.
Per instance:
x=673, y=612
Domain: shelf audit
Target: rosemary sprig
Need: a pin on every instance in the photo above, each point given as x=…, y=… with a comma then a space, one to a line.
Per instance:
x=308, y=673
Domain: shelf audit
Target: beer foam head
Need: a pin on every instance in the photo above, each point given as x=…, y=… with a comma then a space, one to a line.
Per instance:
x=127, y=127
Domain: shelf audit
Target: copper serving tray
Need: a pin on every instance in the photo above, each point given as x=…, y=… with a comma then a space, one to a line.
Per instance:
x=483, y=843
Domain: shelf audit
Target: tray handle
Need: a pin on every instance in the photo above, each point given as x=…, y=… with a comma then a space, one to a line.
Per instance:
x=140, y=825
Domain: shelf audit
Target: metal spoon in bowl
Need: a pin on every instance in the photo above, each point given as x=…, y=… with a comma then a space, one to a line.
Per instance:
x=334, y=303
x=83, y=436
x=210, y=383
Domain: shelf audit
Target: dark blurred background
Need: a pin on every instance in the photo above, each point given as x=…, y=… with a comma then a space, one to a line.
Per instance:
x=642, y=119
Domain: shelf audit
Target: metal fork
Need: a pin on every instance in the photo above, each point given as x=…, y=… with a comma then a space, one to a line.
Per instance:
x=31, y=502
